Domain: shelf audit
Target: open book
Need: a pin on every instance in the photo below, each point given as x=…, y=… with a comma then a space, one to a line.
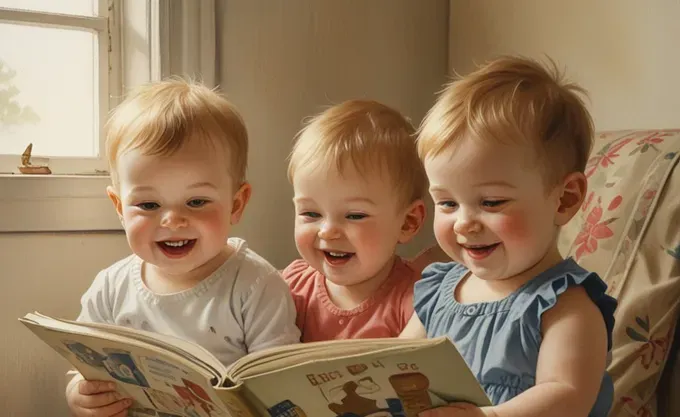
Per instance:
x=170, y=377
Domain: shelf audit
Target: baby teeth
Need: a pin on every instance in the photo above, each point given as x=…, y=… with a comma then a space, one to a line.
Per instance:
x=337, y=254
x=177, y=243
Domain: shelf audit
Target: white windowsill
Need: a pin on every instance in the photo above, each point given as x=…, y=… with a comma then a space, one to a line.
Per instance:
x=55, y=203
x=78, y=203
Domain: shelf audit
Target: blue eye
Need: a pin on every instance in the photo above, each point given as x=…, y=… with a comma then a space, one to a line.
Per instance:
x=310, y=214
x=493, y=203
x=447, y=204
x=197, y=202
x=148, y=206
x=356, y=216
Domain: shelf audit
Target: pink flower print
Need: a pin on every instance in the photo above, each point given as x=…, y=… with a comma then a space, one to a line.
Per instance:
x=651, y=140
x=648, y=142
x=627, y=400
x=595, y=229
x=653, y=349
x=606, y=156
x=647, y=196
x=642, y=411
x=616, y=202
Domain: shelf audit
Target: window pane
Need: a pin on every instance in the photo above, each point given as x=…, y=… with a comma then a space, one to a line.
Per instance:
x=77, y=7
x=48, y=91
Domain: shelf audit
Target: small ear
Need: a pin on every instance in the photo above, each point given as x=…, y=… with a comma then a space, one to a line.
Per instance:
x=574, y=191
x=117, y=203
x=413, y=221
x=241, y=199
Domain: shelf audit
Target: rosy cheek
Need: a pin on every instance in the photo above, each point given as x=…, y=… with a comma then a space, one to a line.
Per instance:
x=305, y=235
x=139, y=231
x=215, y=219
x=135, y=224
x=443, y=230
x=513, y=226
x=369, y=234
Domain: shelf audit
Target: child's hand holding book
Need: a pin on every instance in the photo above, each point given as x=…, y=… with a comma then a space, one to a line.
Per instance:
x=95, y=398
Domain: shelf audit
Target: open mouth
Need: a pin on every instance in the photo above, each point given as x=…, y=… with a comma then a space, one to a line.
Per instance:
x=480, y=251
x=336, y=258
x=176, y=248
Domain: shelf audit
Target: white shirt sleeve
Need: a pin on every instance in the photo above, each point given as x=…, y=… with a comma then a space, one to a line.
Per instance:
x=269, y=314
x=95, y=304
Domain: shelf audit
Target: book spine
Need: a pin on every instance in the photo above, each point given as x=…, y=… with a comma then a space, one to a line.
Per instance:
x=235, y=401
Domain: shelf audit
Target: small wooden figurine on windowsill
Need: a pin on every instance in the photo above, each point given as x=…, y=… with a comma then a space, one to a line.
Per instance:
x=26, y=166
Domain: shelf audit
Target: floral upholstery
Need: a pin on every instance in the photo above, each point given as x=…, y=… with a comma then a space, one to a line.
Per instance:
x=628, y=231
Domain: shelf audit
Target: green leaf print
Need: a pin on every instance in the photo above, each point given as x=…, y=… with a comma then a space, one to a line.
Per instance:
x=674, y=252
x=644, y=324
x=635, y=335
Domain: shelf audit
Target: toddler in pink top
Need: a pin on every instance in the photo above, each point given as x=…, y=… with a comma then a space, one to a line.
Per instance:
x=358, y=187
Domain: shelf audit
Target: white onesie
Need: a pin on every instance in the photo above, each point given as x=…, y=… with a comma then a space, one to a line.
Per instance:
x=243, y=307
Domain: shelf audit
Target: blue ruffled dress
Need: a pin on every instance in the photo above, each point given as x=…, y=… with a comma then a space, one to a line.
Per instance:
x=500, y=340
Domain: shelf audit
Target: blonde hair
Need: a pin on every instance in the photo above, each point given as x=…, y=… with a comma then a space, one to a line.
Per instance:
x=367, y=134
x=160, y=117
x=514, y=99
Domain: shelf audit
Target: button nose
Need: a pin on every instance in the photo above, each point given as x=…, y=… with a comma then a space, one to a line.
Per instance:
x=173, y=220
x=328, y=230
x=466, y=223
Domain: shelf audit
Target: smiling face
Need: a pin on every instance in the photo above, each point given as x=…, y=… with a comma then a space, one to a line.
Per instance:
x=177, y=210
x=494, y=213
x=348, y=225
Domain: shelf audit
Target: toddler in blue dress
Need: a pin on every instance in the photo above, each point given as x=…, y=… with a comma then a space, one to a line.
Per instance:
x=505, y=150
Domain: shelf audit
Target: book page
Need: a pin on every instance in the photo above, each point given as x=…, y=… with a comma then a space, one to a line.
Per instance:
x=277, y=364
x=284, y=356
x=191, y=351
x=160, y=383
x=389, y=383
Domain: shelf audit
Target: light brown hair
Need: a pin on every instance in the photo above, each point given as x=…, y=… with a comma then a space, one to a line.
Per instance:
x=158, y=118
x=514, y=100
x=368, y=134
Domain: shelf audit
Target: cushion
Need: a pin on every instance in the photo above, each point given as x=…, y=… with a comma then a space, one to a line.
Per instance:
x=628, y=231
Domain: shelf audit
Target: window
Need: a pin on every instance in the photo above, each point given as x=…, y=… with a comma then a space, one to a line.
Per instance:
x=63, y=65
x=56, y=82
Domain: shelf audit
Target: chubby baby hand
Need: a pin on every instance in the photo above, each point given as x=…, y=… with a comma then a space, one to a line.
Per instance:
x=95, y=399
x=458, y=410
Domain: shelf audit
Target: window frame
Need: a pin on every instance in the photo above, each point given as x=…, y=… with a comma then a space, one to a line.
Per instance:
x=108, y=87
x=73, y=198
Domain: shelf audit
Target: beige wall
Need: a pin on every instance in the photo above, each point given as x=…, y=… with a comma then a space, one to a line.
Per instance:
x=625, y=52
x=46, y=272
x=281, y=60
